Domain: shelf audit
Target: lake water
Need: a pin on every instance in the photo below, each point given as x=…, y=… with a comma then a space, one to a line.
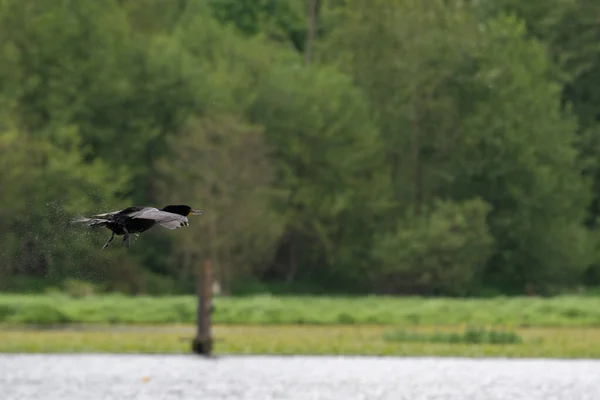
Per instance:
x=173, y=377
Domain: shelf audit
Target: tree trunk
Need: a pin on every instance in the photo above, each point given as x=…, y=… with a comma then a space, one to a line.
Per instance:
x=293, y=262
x=416, y=155
x=310, y=31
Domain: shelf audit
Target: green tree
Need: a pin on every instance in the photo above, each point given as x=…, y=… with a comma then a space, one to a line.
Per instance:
x=81, y=85
x=469, y=109
x=325, y=149
x=322, y=143
x=415, y=89
x=527, y=163
x=281, y=20
x=222, y=164
x=43, y=187
x=571, y=31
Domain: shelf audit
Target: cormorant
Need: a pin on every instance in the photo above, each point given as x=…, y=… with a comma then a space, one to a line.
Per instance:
x=138, y=219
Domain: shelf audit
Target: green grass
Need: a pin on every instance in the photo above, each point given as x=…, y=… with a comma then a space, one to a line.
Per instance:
x=565, y=326
x=295, y=340
x=264, y=309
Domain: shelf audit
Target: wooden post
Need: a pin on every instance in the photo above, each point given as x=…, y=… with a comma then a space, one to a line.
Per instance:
x=202, y=343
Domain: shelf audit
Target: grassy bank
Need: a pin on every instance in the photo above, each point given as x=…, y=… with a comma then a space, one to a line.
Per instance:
x=308, y=339
x=562, y=311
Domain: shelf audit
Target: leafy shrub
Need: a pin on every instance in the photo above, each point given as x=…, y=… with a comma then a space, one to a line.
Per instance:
x=471, y=335
x=5, y=312
x=441, y=251
x=40, y=314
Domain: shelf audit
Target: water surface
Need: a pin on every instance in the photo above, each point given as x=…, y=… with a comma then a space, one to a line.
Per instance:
x=179, y=377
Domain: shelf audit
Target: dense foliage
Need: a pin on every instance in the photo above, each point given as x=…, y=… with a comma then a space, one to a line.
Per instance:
x=381, y=146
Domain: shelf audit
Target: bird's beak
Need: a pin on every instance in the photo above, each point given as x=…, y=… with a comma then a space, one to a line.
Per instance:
x=196, y=212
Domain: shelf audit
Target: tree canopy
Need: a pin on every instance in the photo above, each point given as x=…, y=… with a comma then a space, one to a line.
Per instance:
x=434, y=148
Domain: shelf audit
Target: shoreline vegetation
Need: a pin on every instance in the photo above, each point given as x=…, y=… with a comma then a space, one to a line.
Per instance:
x=59, y=308
x=559, y=327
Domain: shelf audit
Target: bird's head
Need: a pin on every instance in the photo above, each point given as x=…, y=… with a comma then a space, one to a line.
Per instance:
x=184, y=210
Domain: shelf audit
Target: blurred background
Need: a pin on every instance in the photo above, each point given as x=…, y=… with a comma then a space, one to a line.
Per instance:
x=399, y=147
x=378, y=177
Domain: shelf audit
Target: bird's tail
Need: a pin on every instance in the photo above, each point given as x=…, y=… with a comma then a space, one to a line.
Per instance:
x=90, y=221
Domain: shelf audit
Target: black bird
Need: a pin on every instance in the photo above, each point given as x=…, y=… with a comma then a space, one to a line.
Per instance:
x=137, y=219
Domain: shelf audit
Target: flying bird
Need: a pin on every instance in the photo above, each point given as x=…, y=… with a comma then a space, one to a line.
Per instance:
x=137, y=219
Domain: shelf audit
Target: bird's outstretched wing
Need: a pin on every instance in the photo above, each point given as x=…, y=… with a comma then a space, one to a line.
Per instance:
x=173, y=224
x=165, y=219
x=129, y=211
x=138, y=213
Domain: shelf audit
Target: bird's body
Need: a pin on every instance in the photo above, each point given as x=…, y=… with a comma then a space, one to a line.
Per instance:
x=138, y=219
